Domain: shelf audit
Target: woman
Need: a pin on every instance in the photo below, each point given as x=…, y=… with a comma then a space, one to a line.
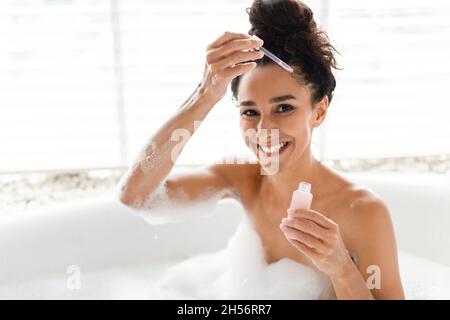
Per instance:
x=278, y=113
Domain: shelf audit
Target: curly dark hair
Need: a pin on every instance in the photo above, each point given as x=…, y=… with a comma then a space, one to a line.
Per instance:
x=290, y=32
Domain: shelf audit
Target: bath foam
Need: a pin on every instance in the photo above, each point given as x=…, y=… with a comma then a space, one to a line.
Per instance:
x=157, y=209
x=151, y=155
x=240, y=271
x=146, y=160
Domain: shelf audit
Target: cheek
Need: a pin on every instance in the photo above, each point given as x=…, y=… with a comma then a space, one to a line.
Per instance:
x=246, y=128
x=304, y=134
x=297, y=125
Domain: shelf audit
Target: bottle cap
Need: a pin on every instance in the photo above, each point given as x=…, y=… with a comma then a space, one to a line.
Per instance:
x=304, y=186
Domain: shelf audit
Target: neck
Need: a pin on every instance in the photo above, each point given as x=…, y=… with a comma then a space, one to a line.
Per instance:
x=284, y=182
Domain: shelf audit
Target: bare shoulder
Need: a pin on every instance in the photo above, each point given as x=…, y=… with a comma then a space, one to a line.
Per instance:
x=354, y=198
x=365, y=205
x=362, y=215
x=357, y=208
x=241, y=177
x=233, y=170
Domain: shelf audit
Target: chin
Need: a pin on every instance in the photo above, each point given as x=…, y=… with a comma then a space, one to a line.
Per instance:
x=273, y=159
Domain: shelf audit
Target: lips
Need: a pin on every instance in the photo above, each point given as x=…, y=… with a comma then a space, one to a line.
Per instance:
x=272, y=149
x=269, y=150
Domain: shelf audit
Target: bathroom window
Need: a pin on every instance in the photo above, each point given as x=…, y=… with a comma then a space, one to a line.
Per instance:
x=84, y=83
x=391, y=98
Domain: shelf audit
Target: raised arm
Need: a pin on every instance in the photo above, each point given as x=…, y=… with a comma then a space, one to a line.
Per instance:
x=225, y=59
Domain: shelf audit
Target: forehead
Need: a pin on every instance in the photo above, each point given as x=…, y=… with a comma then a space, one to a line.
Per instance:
x=263, y=83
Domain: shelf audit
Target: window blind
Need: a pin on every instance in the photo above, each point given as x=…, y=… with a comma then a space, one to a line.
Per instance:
x=84, y=83
x=391, y=96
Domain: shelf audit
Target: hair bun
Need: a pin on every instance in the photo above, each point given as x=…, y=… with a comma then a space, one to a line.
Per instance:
x=280, y=18
x=290, y=32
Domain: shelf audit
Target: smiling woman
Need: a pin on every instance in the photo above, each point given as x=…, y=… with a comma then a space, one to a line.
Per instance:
x=279, y=111
x=248, y=113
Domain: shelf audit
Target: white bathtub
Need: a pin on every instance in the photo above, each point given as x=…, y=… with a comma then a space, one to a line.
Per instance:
x=119, y=254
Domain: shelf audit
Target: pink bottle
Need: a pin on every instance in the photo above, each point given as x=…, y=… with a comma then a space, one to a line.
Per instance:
x=302, y=197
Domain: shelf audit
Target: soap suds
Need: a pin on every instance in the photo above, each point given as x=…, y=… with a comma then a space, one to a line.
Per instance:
x=157, y=208
x=151, y=155
x=240, y=271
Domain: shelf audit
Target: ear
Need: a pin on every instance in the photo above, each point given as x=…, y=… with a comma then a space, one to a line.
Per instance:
x=320, y=112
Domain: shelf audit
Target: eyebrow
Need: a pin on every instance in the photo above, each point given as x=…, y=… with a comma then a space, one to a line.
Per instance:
x=248, y=103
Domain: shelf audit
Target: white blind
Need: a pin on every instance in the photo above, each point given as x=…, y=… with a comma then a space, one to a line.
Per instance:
x=57, y=93
x=391, y=100
x=84, y=83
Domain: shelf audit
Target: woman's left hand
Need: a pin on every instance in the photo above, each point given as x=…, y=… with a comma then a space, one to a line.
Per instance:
x=319, y=238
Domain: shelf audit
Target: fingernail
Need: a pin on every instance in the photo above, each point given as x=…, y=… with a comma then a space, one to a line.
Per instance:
x=257, y=38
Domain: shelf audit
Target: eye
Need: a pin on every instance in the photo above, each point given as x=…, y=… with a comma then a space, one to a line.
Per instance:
x=285, y=108
x=249, y=113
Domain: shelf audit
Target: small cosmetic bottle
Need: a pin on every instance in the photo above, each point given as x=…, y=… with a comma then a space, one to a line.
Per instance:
x=302, y=197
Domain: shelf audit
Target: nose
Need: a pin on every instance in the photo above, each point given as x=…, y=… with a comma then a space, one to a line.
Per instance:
x=267, y=129
x=265, y=122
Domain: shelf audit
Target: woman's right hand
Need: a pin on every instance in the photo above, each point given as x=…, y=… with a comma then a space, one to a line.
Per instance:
x=225, y=60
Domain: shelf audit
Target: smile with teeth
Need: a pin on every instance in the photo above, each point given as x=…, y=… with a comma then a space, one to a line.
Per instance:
x=273, y=149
